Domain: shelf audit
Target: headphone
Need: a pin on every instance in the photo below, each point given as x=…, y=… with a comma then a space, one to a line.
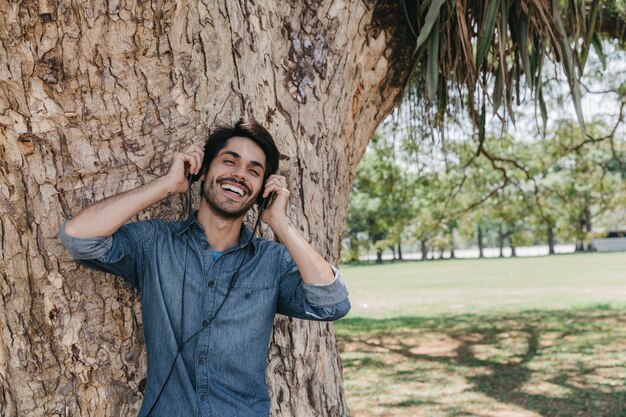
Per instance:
x=263, y=203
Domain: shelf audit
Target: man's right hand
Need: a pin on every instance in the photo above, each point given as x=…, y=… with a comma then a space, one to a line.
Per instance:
x=105, y=217
x=186, y=162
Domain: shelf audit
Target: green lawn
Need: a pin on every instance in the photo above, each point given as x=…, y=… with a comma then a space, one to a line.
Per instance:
x=532, y=337
x=487, y=285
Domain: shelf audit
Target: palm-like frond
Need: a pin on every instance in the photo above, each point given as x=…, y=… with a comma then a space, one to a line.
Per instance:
x=490, y=49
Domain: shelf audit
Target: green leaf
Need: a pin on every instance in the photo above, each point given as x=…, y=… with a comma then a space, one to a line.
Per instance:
x=431, y=18
x=504, y=18
x=522, y=40
x=486, y=32
x=513, y=76
x=597, y=46
x=432, y=66
x=497, y=89
x=569, y=68
x=542, y=107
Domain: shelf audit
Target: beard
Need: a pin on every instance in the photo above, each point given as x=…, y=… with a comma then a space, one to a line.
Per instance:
x=224, y=209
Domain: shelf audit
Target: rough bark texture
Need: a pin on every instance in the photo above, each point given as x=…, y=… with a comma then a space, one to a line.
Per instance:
x=94, y=99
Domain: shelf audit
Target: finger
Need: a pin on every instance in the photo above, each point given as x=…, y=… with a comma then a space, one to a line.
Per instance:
x=189, y=162
x=281, y=179
x=198, y=156
x=275, y=179
x=193, y=148
x=269, y=188
x=198, y=162
x=276, y=188
x=194, y=160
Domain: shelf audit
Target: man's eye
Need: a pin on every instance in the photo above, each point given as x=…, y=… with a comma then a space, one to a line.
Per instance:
x=228, y=161
x=255, y=173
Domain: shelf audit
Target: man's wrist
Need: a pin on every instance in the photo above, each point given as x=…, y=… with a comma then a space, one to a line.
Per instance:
x=168, y=185
x=280, y=226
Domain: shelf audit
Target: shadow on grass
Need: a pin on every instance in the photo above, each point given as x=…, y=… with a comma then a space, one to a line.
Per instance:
x=551, y=363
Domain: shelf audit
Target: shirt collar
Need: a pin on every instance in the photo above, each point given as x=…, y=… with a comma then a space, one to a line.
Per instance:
x=244, y=235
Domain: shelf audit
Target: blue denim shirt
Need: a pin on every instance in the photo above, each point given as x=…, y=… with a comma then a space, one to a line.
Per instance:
x=221, y=370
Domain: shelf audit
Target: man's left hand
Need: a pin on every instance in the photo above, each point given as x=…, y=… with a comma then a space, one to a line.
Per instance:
x=276, y=213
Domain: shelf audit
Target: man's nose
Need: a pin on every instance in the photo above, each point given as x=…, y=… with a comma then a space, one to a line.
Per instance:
x=240, y=172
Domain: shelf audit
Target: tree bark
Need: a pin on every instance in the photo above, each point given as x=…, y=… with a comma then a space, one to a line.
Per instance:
x=501, y=236
x=588, y=226
x=400, y=251
x=94, y=99
x=479, y=239
x=551, y=240
x=424, y=249
x=379, y=256
x=452, y=255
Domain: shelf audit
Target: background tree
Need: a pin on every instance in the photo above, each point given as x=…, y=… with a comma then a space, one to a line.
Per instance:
x=380, y=201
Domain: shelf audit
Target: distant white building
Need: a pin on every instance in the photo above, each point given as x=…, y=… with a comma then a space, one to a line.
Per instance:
x=614, y=241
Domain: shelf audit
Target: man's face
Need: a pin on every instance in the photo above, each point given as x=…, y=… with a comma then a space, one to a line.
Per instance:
x=234, y=178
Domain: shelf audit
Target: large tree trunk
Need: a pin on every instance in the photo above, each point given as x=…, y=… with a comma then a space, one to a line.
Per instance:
x=94, y=99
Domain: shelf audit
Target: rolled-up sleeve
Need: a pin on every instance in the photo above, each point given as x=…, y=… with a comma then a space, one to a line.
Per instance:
x=122, y=253
x=325, y=302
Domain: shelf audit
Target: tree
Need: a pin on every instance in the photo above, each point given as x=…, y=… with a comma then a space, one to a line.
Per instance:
x=380, y=202
x=94, y=99
x=96, y=96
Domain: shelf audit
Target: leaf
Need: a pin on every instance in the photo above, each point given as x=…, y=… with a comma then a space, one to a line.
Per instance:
x=497, y=90
x=568, y=67
x=522, y=40
x=597, y=46
x=486, y=32
x=541, y=102
x=432, y=66
x=513, y=76
x=431, y=18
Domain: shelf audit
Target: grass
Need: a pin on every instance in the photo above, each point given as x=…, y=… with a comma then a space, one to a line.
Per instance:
x=486, y=285
x=424, y=346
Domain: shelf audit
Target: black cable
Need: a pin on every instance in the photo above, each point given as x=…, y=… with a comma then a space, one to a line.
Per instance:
x=231, y=285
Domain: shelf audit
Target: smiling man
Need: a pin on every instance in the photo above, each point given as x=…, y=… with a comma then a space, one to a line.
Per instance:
x=209, y=287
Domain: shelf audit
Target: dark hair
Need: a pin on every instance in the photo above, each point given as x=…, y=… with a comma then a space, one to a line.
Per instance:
x=247, y=128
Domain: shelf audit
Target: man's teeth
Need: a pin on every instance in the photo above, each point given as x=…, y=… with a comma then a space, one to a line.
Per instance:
x=233, y=189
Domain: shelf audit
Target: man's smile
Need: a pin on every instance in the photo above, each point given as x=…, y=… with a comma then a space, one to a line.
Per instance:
x=234, y=188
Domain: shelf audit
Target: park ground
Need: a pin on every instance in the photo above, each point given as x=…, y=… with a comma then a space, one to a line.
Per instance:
x=512, y=337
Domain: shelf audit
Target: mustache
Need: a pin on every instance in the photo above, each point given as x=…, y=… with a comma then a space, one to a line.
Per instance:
x=235, y=181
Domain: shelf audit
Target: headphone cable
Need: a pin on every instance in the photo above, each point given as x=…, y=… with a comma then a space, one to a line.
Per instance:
x=231, y=285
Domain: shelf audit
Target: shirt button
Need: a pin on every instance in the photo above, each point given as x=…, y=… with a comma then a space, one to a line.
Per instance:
x=200, y=361
x=211, y=284
x=203, y=397
x=205, y=246
x=248, y=296
x=205, y=323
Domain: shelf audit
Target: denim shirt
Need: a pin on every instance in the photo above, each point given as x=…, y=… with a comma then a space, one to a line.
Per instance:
x=221, y=370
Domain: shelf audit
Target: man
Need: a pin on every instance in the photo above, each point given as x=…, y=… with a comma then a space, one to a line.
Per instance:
x=209, y=288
